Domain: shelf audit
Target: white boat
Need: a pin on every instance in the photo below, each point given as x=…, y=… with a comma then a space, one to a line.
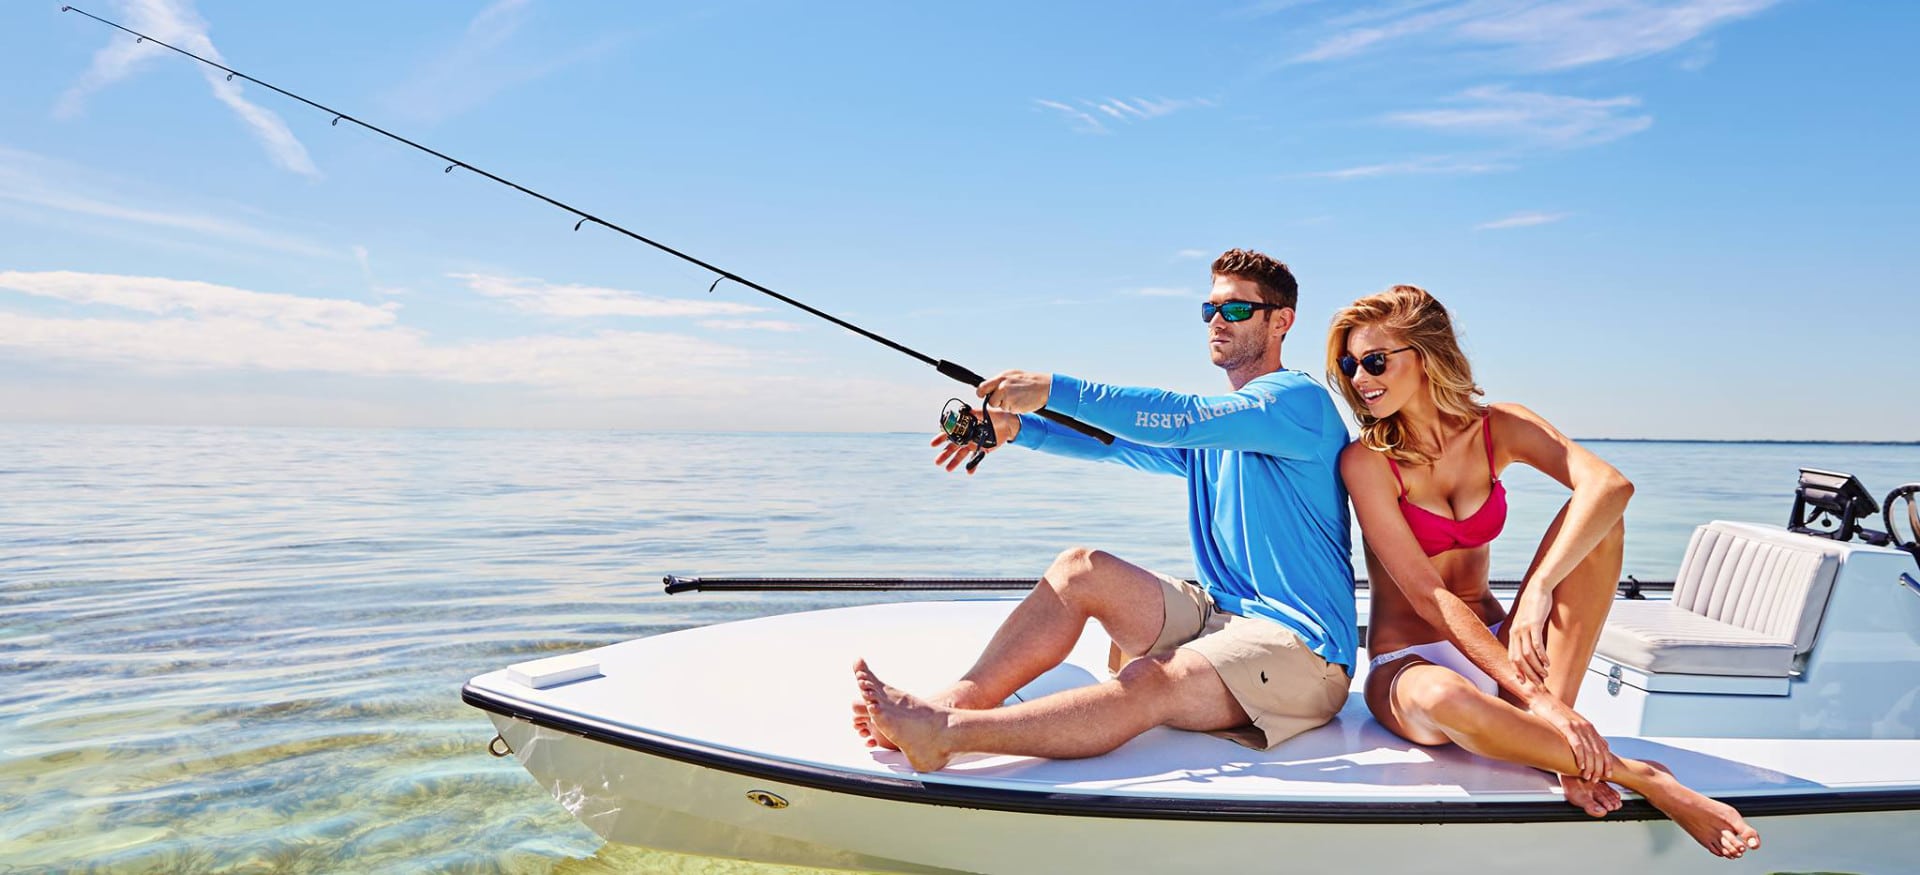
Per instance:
x=1782, y=676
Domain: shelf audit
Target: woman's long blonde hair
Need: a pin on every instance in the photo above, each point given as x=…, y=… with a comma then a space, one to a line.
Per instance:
x=1419, y=321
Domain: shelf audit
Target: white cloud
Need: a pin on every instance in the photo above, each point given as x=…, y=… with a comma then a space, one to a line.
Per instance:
x=365, y=259
x=1533, y=118
x=1118, y=110
x=1193, y=254
x=42, y=183
x=176, y=23
x=1264, y=8
x=481, y=64
x=1538, y=35
x=165, y=297
x=206, y=327
x=535, y=296
x=1080, y=118
x=751, y=325
x=1522, y=220
x=1432, y=165
x=1166, y=292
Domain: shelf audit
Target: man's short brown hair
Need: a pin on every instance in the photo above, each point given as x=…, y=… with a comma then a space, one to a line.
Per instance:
x=1276, y=282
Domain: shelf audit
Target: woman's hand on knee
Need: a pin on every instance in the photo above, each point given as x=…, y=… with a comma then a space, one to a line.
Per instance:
x=1527, y=635
x=1591, y=755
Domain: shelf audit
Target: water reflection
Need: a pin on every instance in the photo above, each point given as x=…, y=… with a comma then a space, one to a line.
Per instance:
x=234, y=649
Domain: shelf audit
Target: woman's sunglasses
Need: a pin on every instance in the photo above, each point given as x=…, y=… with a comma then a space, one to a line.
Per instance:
x=1234, y=311
x=1374, y=362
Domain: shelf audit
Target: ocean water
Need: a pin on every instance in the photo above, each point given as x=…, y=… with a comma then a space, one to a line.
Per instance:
x=235, y=650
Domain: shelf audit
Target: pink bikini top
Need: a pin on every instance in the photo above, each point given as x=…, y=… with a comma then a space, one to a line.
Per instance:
x=1438, y=534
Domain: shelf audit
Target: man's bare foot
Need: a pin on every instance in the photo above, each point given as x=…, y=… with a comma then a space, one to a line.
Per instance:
x=1597, y=798
x=961, y=695
x=913, y=726
x=863, y=725
x=1714, y=824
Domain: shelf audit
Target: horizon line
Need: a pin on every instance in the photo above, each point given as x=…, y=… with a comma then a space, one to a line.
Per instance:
x=753, y=431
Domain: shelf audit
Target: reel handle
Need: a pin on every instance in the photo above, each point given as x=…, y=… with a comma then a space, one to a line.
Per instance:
x=970, y=378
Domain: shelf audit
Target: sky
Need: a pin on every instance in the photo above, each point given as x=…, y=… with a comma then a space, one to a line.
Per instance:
x=1650, y=218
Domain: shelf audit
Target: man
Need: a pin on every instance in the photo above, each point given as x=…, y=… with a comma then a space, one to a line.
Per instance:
x=1260, y=650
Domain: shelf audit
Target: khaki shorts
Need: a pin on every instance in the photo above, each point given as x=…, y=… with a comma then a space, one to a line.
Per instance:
x=1284, y=687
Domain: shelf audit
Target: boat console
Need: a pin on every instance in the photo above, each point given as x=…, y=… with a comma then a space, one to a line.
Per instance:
x=1793, y=632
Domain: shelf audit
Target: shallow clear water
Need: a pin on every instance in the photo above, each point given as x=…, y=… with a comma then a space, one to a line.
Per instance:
x=242, y=649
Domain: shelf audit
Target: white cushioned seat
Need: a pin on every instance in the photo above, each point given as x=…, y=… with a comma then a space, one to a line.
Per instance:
x=1658, y=637
x=1747, y=601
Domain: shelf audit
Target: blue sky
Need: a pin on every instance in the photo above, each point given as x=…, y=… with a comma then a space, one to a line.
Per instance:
x=1651, y=219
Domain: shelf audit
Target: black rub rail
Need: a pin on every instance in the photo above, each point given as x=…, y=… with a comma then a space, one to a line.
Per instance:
x=1631, y=588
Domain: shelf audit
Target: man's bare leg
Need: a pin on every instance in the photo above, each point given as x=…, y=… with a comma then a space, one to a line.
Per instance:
x=1179, y=689
x=1580, y=605
x=1044, y=627
x=1436, y=705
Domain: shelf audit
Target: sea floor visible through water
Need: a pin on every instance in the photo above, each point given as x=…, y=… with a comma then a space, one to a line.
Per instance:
x=237, y=650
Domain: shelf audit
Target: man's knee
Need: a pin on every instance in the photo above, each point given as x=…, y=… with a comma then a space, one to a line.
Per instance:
x=1076, y=571
x=1149, y=676
x=1181, y=689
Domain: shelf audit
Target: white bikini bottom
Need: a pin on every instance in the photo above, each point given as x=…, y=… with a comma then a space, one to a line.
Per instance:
x=1447, y=656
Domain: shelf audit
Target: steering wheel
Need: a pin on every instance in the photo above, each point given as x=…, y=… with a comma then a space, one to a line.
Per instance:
x=1911, y=541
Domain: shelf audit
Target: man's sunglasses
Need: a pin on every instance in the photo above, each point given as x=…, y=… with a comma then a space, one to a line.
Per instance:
x=1235, y=311
x=1374, y=362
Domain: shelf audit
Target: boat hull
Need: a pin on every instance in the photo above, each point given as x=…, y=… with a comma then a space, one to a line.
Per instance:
x=646, y=799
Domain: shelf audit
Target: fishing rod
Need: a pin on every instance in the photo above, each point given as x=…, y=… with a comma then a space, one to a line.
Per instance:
x=947, y=368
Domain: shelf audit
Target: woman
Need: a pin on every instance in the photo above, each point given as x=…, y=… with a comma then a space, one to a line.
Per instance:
x=1450, y=665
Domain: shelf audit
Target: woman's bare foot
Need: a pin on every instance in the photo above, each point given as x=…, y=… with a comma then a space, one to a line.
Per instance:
x=1714, y=824
x=913, y=726
x=1597, y=798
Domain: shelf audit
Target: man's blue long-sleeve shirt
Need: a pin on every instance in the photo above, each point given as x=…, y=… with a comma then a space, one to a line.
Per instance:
x=1266, y=509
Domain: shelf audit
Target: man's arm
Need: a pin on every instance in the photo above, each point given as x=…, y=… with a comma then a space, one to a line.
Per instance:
x=1044, y=435
x=1256, y=418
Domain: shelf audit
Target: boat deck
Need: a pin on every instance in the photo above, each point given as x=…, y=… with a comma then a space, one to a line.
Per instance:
x=775, y=694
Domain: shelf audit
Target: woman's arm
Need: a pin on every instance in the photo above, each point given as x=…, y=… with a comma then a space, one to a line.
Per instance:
x=1600, y=495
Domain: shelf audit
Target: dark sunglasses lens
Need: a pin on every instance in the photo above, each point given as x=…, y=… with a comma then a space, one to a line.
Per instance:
x=1349, y=366
x=1234, y=311
x=1375, y=363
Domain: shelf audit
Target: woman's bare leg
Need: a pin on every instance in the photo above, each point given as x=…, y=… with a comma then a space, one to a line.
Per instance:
x=1580, y=606
x=1431, y=702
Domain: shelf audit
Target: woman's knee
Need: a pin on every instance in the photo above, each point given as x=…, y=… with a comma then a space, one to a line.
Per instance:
x=1615, y=540
x=1606, y=556
x=1442, y=698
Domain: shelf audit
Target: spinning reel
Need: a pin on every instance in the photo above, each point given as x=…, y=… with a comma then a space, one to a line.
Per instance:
x=967, y=428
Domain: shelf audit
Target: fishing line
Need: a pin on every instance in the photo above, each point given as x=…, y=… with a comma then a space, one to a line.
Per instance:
x=947, y=368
